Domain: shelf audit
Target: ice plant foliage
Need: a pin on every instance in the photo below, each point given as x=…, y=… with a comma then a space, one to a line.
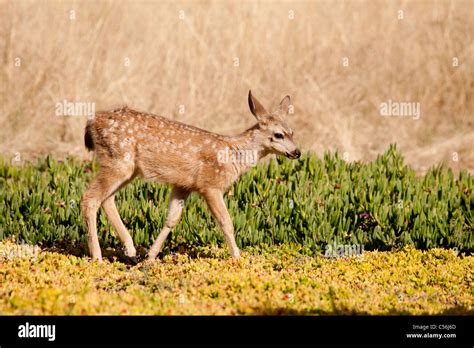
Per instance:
x=311, y=202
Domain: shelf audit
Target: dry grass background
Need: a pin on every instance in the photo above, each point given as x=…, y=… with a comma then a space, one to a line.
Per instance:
x=190, y=62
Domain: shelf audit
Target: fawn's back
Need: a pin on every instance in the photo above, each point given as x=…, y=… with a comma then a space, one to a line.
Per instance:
x=159, y=149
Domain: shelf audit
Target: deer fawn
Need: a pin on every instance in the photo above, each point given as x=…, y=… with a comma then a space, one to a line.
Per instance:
x=129, y=143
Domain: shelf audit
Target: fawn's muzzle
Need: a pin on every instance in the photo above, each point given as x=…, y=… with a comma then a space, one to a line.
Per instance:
x=294, y=154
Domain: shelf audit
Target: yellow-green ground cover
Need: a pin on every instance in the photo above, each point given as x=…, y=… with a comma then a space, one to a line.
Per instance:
x=273, y=280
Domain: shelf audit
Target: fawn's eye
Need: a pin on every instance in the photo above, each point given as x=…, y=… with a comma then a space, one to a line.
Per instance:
x=278, y=135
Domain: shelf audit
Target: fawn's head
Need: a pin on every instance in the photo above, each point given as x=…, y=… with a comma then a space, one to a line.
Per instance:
x=274, y=133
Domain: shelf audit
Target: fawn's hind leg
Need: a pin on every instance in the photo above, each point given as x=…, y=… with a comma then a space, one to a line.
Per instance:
x=106, y=183
x=178, y=196
x=112, y=214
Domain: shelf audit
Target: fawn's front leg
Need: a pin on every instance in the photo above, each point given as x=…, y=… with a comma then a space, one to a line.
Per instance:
x=215, y=201
x=178, y=196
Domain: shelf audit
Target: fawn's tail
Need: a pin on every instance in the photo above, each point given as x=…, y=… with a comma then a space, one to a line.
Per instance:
x=88, y=137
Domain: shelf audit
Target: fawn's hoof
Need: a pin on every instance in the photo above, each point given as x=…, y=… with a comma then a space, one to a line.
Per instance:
x=133, y=260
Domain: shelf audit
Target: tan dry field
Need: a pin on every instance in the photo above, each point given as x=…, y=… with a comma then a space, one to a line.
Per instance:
x=195, y=61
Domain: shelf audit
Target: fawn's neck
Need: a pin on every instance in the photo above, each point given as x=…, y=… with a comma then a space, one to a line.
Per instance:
x=245, y=150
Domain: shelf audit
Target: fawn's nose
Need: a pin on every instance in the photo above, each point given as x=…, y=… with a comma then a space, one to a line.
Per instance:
x=294, y=154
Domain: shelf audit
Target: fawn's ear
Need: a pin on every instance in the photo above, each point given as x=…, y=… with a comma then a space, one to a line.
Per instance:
x=256, y=108
x=285, y=105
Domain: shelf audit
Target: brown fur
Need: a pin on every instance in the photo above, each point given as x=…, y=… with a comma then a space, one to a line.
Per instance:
x=129, y=143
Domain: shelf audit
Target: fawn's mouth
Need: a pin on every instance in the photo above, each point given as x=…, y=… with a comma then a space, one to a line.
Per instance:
x=294, y=155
